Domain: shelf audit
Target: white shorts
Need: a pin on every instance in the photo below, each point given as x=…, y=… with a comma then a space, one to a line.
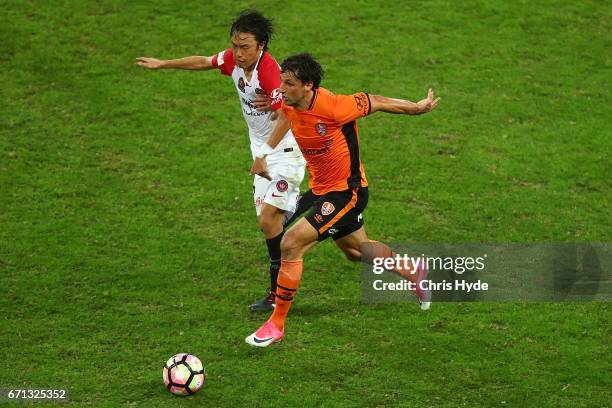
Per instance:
x=287, y=172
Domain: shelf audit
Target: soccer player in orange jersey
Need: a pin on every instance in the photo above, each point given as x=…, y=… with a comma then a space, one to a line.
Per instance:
x=256, y=76
x=324, y=126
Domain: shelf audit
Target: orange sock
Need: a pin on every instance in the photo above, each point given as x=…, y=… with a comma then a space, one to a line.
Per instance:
x=288, y=281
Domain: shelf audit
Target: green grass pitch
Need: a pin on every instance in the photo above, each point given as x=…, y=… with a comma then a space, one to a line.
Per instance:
x=128, y=234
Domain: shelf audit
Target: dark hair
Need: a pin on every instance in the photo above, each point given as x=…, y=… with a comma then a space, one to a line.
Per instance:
x=305, y=68
x=253, y=22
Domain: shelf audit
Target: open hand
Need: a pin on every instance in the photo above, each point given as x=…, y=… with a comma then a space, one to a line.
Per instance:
x=429, y=103
x=150, y=63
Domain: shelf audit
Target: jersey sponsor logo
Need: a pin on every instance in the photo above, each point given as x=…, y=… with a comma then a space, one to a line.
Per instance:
x=252, y=110
x=327, y=208
x=247, y=103
x=241, y=84
x=313, y=152
x=254, y=113
x=276, y=196
x=282, y=185
x=321, y=129
x=318, y=218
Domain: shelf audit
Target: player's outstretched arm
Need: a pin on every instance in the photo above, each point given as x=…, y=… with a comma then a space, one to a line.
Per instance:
x=282, y=126
x=195, y=63
x=392, y=105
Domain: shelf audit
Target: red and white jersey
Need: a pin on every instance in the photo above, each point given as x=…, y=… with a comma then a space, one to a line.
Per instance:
x=265, y=80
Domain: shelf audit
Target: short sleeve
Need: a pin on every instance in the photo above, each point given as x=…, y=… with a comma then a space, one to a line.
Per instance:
x=350, y=107
x=224, y=62
x=269, y=80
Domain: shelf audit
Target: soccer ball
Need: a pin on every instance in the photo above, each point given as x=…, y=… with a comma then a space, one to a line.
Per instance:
x=184, y=374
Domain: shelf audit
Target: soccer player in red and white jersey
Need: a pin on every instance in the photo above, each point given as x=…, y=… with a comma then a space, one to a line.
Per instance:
x=325, y=128
x=256, y=76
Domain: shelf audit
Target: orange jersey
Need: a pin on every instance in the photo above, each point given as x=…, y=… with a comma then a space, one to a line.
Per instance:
x=327, y=135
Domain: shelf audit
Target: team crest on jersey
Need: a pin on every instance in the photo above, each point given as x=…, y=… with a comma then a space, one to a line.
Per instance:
x=327, y=208
x=282, y=185
x=321, y=129
x=241, y=84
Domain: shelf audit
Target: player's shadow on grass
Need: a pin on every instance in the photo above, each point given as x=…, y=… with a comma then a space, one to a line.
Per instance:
x=314, y=306
x=153, y=390
x=577, y=273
